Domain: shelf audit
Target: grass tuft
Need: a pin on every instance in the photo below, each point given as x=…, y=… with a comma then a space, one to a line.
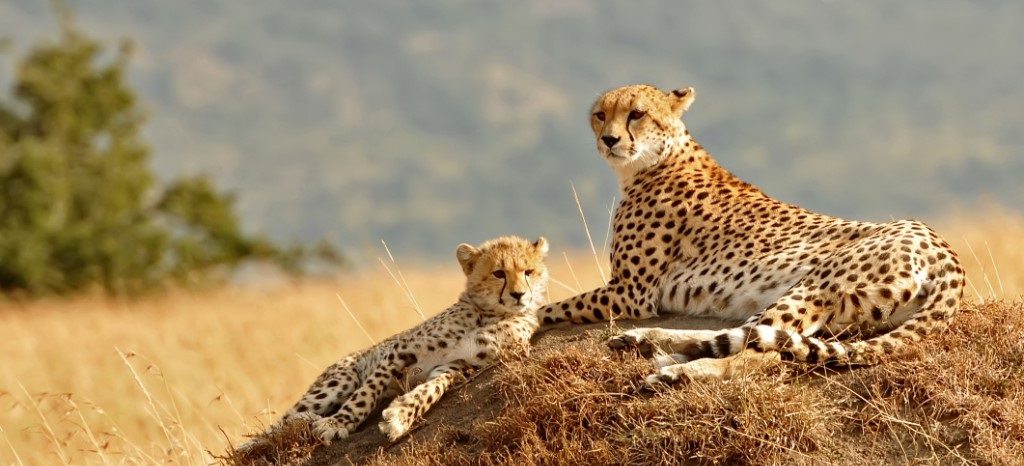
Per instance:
x=956, y=398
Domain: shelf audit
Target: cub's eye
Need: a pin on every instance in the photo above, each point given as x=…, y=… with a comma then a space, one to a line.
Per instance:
x=529, y=272
x=498, y=274
x=599, y=116
x=636, y=115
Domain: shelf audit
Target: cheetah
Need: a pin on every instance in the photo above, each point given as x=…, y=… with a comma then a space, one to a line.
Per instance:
x=506, y=282
x=689, y=237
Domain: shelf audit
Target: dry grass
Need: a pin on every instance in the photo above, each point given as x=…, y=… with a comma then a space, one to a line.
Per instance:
x=199, y=370
x=957, y=399
x=179, y=377
x=990, y=241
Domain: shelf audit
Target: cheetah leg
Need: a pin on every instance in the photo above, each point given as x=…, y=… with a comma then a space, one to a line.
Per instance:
x=690, y=355
x=360, y=404
x=930, y=304
x=323, y=398
x=407, y=408
x=789, y=313
x=654, y=342
x=936, y=309
x=917, y=290
x=737, y=365
x=597, y=305
x=327, y=392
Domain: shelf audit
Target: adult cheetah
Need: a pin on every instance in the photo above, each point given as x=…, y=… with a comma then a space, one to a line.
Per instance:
x=689, y=237
x=506, y=282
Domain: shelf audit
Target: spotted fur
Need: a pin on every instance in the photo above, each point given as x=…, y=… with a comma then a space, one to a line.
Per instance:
x=506, y=281
x=689, y=237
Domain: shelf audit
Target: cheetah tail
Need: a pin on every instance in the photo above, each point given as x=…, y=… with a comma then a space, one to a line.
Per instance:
x=934, y=315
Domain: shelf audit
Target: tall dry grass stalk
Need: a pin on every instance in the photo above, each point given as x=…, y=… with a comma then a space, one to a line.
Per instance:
x=177, y=377
x=590, y=239
x=990, y=241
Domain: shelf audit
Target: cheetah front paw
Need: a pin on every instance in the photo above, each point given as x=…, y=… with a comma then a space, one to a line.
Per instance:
x=700, y=370
x=298, y=418
x=253, y=444
x=632, y=339
x=328, y=430
x=668, y=375
x=397, y=422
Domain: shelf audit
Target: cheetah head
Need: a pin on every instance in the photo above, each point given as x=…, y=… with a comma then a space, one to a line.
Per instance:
x=506, y=275
x=635, y=126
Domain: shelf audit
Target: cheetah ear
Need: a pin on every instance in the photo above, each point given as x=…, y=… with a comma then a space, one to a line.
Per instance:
x=467, y=255
x=541, y=245
x=680, y=99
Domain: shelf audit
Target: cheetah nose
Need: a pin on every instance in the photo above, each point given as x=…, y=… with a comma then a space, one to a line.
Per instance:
x=610, y=141
x=516, y=295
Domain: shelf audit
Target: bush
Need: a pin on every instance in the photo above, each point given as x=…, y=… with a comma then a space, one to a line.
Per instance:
x=79, y=204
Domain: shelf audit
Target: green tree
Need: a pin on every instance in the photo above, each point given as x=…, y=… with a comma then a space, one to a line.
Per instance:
x=79, y=204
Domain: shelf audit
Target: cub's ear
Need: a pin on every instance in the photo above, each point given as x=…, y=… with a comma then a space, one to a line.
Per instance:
x=467, y=255
x=541, y=245
x=681, y=99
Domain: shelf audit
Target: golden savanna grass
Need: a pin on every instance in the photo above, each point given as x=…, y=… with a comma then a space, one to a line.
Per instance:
x=179, y=377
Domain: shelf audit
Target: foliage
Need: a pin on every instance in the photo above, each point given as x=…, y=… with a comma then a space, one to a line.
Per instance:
x=79, y=203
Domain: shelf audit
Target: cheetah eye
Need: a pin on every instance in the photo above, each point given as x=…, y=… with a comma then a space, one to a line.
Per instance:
x=636, y=115
x=599, y=116
x=498, y=274
x=528, y=272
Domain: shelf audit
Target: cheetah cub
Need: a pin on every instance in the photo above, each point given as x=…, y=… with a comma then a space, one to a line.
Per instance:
x=506, y=282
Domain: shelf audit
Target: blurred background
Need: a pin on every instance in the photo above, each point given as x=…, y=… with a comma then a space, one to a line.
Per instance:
x=187, y=142
x=431, y=123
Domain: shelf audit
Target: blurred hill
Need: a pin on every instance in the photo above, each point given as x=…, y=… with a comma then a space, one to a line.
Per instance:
x=431, y=124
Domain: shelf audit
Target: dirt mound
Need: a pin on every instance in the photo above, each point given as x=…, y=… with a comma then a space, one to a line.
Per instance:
x=957, y=398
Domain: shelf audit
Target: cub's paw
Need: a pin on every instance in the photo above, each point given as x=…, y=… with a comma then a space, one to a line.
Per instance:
x=253, y=444
x=665, y=360
x=632, y=339
x=328, y=430
x=701, y=370
x=306, y=417
x=669, y=375
x=264, y=440
x=397, y=422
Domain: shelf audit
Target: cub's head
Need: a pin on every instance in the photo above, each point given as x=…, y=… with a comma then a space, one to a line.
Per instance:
x=638, y=124
x=507, y=274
